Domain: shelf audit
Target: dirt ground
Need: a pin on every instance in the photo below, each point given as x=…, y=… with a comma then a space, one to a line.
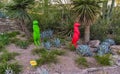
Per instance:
x=65, y=63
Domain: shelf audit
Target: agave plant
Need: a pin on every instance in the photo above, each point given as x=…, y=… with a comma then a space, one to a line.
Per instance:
x=47, y=45
x=57, y=42
x=103, y=49
x=84, y=50
x=9, y=71
x=110, y=41
x=47, y=34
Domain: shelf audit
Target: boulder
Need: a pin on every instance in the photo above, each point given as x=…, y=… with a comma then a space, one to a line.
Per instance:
x=115, y=49
x=94, y=43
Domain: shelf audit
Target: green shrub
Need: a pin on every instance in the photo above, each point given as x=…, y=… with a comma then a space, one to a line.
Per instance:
x=4, y=39
x=22, y=44
x=117, y=39
x=57, y=52
x=103, y=60
x=13, y=34
x=81, y=61
x=72, y=47
x=13, y=66
x=30, y=40
x=47, y=58
x=23, y=35
x=7, y=56
x=14, y=40
x=39, y=51
x=44, y=51
x=99, y=30
x=1, y=46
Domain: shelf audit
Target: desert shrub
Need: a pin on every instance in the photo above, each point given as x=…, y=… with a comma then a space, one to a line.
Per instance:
x=47, y=58
x=43, y=51
x=103, y=60
x=23, y=35
x=115, y=24
x=4, y=39
x=58, y=52
x=30, y=40
x=99, y=30
x=22, y=44
x=13, y=34
x=14, y=40
x=1, y=46
x=39, y=51
x=71, y=47
x=81, y=61
x=117, y=39
x=13, y=66
x=7, y=56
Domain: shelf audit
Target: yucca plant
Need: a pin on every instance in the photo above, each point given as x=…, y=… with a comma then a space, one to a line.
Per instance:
x=18, y=10
x=87, y=11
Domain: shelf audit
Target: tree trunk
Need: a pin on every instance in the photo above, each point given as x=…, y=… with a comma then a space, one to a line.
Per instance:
x=87, y=34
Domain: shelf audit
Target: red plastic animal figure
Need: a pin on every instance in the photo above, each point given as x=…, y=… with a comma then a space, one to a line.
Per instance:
x=76, y=34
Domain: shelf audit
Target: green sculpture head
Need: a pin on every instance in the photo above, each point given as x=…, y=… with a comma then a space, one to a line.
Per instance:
x=35, y=22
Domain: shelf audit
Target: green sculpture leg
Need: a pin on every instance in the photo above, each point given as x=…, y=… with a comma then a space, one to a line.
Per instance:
x=36, y=39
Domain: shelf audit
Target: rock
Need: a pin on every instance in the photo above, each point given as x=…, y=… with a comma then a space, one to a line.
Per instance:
x=115, y=49
x=116, y=59
x=94, y=43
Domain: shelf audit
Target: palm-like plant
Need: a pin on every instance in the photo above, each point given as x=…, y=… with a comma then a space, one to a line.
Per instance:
x=18, y=10
x=87, y=11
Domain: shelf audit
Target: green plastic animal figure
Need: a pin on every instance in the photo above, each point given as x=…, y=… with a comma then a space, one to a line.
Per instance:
x=36, y=33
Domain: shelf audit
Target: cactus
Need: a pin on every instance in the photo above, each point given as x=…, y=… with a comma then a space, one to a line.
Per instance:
x=84, y=50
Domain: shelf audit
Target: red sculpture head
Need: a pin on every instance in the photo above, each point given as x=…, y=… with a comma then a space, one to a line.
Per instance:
x=77, y=24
